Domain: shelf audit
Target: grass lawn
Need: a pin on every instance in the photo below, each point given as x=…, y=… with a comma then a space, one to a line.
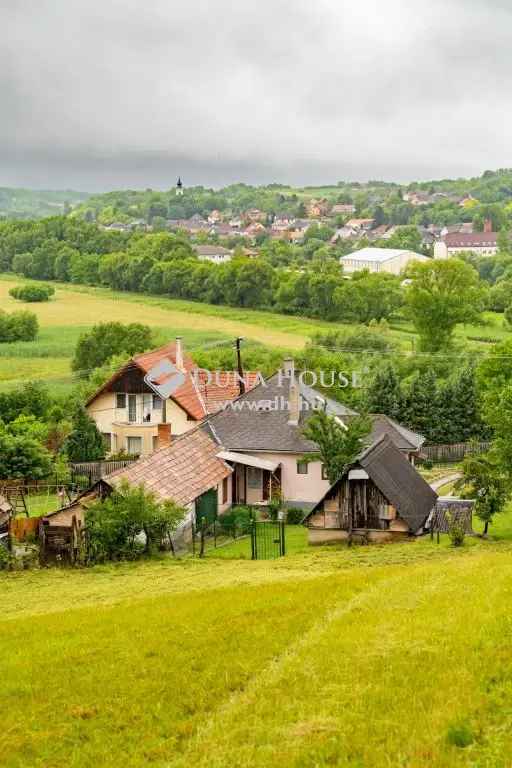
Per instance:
x=75, y=309
x=396, y=655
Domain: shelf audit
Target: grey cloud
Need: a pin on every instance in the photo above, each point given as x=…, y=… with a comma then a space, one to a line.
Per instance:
x=116, y=93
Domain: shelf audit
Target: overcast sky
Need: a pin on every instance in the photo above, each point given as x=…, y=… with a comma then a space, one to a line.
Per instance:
x=102, y=94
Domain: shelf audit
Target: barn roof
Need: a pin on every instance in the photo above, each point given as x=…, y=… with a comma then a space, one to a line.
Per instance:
x=397, y=480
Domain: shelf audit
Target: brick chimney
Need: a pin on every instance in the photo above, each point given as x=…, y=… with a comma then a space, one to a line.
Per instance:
x=179, y=354
x=488, y=225
x=164, y=436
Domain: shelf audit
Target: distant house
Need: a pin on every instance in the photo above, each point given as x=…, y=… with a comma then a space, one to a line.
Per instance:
x=360, y=225
x=482, y=243
x=283, y=222
x=214, y=253
x=253, y=230
x=379, y=497
x=392, y=260
x=133, y=411
x=254, y=214
x=343, y=209
x=345, y=233
x=214, y=217
x=317, y=208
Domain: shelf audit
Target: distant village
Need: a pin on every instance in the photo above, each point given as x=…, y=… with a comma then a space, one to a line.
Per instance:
x=213, y=232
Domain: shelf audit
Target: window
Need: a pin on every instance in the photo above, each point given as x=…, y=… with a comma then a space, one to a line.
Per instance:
x=324, y=473
x=254, y=479
x=155, y=442
x=107, y=441
x=225, y=490
x=120, y=400
x=132, y=407
x=157, y=403
x=134, y=445
x=302, y=467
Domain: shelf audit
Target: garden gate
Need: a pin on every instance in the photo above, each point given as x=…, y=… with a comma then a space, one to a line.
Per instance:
x=267, y=539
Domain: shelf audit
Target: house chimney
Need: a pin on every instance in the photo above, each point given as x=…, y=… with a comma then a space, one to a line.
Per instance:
x=293, y=403
x=488, y=225
x=164, y=436
x=288, y=366
x=179, y=354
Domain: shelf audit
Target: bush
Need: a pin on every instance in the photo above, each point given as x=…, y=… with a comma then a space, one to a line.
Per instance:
x=32, y=293
x=18, y=326
x=117, y=526
x=6, y=559
x=456, y=530
x=294, y=516
x=236, y=522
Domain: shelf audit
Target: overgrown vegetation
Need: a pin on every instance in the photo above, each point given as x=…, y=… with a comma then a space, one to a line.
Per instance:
x=129, y=522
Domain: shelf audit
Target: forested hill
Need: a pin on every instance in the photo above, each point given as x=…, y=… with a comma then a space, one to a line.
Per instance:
x=439, y=205
x=386, y=201
x=37, y=203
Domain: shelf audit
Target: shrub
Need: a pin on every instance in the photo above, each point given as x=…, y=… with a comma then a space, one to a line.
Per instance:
x=117, y=526
x=32, y=293
x=456, y=530
x=236, y=522
x=295, y=516
x=6, y=559
x=18, y=326
x=460, y=735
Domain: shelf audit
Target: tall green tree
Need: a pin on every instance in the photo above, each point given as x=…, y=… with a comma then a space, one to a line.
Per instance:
x=488, y=485
x=384, y=395
x=442, y=294
x=421, y=404
x=107, y=339
x=338, y=445
x=85, y=442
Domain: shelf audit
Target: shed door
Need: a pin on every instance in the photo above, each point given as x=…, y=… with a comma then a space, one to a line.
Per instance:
x=206, y=506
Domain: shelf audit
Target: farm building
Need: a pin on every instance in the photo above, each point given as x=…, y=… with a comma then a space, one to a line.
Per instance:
x=380, y=497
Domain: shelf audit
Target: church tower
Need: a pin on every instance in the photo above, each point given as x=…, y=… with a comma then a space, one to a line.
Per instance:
x=179, y=187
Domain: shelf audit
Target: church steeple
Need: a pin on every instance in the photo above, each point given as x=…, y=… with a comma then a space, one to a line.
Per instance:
x=179, y=186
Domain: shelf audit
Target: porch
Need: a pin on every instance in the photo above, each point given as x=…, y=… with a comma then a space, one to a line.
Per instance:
x=255, y=481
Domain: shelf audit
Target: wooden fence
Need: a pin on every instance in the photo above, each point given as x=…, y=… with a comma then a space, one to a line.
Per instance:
x=441, y=454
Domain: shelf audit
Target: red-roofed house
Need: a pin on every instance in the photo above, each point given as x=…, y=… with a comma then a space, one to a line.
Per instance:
x=134, y=412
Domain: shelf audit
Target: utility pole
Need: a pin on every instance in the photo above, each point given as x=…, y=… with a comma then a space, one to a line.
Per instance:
x=241, y=382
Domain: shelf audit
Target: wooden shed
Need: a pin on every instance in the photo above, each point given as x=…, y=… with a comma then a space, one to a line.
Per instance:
x=380, y=497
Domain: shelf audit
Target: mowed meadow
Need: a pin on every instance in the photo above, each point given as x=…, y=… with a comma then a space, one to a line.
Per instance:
x=398, y=655
x=75, y=309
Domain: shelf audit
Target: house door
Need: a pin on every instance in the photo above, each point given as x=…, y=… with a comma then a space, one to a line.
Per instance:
x=206, y=506
x=132, y=408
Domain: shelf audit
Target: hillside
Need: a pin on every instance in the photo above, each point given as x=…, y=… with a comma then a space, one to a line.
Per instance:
x=36, y=204
x=381, y=656
x=492, y=187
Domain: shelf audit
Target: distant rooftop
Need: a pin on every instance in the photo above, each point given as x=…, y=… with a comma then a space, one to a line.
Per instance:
x=377, y=254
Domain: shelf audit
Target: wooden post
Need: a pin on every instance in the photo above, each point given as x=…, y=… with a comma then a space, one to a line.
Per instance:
x=203, y=527
x=241, y=382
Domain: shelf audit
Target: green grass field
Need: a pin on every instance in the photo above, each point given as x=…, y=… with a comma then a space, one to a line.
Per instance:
x=396, y=655
x=75, y=309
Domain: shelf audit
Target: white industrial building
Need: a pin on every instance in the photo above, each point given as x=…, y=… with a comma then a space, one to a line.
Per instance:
x=392, y=260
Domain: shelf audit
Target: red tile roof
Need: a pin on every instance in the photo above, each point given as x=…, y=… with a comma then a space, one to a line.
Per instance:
x=196, y=396
x=471, y=239
x=181, y=471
